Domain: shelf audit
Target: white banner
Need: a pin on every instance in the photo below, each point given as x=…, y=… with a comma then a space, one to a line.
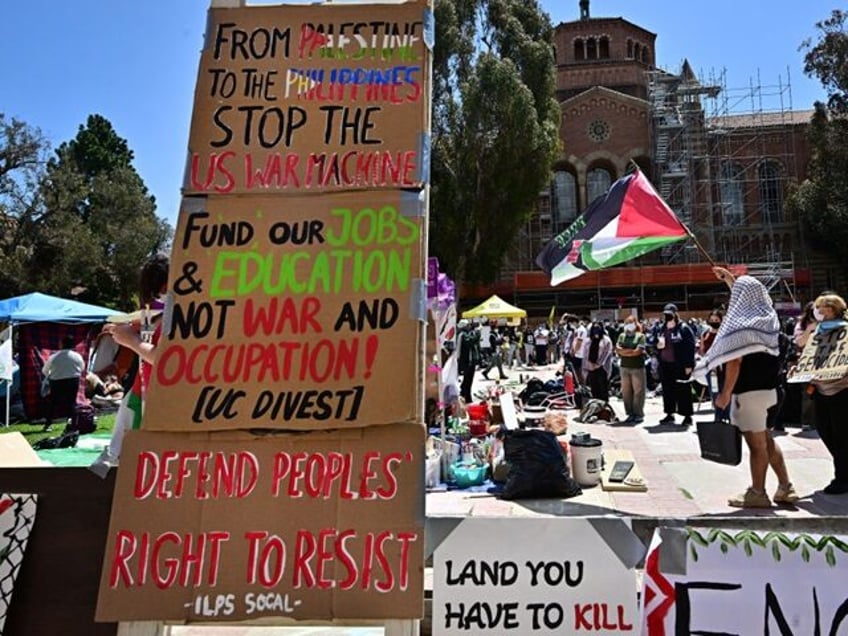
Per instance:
x=720, y=581
x=540, y=576
x=5, y=355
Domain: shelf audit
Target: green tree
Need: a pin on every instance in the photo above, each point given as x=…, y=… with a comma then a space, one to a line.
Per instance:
x=495, y=130
x=23, y=155
x=821, y=202
x=98, y=222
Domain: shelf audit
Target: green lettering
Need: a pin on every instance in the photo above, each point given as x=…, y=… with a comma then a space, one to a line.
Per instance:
x=320, y=274
x=334, y=240
x=220, y=274
x=360, y=238
x=399, y=270
x=295, y=285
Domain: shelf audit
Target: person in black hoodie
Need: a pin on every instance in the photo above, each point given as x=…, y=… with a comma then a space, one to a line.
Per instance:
x=468, y=357
x=676, y=345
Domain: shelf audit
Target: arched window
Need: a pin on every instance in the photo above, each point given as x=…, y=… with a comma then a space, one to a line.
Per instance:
x=771, y=192
x=637, y=51
x=565, y=197
x=645, y=54
x=732, y=192
x=579, y=50
x=598, y=181
x=603, y=50
x=629, y=48
x=591, y=49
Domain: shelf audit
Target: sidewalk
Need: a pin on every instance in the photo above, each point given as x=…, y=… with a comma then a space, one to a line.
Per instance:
x=680, y=484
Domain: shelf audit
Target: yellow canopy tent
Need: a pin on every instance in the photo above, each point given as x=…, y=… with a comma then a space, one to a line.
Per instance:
x=495, y=308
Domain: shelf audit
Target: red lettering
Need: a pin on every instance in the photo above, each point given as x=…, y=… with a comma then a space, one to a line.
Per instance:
x=368, y=473
x=189, y=556
x=580, y=619
x=388, y=464
x=324, y=555
x=125, y=546
x=215, y=166
x=388, y=582
x=349, y=563
x=304, y=551
x=145, y=474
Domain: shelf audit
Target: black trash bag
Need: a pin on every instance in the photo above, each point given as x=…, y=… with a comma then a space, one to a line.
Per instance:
x=537, y=467
x=67, y=439
x=534, y=385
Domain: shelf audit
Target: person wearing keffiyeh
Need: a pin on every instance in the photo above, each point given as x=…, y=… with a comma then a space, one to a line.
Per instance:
x=747, y=344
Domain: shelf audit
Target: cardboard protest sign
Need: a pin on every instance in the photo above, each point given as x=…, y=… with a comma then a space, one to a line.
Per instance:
x=292, y=312
x=724, y=581
x=825, y=357
x=312, y=98
x=521, y=576
x=226, y=526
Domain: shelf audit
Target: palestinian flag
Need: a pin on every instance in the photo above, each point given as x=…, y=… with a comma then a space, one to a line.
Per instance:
x=631, y=219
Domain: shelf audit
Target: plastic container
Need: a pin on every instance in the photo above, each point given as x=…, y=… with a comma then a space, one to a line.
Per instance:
x=568, y=383
x=478, y=411
x=586, y=460
x=431, y=479
x=478, y=428
x=465, y=475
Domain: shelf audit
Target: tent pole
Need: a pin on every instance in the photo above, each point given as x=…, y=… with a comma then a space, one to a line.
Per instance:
x=9, y=382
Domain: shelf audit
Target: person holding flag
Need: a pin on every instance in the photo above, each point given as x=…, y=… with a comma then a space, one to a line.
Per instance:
x=747, y=344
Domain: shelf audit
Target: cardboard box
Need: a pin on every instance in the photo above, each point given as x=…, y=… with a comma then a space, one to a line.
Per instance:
x=292, y=312
x=228, y=526
x=311, y=98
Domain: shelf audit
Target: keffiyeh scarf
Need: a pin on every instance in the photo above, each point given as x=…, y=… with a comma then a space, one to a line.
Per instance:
x=749, y=326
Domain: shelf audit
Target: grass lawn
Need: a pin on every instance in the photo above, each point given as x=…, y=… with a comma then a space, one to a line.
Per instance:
x=35, y=432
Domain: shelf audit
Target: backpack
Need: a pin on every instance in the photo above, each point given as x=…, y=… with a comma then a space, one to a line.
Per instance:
x=82, y=420
x=534, y=385
x=596, y=410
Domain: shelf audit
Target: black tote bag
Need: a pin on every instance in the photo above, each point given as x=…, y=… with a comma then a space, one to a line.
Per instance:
x=720, y=442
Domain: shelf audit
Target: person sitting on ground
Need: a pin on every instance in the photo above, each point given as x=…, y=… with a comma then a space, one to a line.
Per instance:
x=747, y=345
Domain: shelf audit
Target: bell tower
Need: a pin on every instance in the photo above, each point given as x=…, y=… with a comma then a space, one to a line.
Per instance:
x=584, y=9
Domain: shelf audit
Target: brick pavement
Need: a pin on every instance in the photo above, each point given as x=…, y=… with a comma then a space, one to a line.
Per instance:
x=680, y=484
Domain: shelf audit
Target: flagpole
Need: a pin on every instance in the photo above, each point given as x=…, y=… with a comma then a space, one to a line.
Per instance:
x=686, y=229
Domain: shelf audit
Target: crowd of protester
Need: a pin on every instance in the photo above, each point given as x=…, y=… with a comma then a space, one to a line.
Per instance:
x=632, y=358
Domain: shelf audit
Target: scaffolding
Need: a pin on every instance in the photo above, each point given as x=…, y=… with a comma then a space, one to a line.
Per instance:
x=723, y=159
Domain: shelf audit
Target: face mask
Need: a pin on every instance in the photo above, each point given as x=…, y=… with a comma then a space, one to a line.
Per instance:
x=714, y=325
x=818, y=315
x=630, y=327
x=668, y=317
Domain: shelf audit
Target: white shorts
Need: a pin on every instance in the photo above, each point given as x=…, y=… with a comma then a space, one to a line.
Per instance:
x=748, y=411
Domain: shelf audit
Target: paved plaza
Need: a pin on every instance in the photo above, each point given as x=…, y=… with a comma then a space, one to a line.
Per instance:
x=680, y=483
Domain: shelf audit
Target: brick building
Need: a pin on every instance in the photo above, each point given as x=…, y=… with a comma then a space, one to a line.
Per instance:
x=726, y=174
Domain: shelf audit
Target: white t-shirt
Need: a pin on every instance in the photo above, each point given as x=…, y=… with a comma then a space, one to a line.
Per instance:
x=579, y=338
x=63, y=365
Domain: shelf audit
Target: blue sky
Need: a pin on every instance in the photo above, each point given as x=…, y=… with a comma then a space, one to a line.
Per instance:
x=136, y=62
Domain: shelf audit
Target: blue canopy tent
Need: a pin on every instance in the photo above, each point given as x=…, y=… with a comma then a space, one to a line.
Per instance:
x=37, y=307
x=42, y=322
